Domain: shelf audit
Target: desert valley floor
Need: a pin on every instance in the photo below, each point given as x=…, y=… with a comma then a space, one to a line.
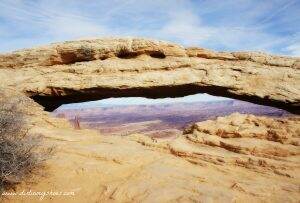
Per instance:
x=158, y=120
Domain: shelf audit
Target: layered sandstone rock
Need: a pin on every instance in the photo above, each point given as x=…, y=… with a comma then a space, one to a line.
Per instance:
x=223, y=160
x=239, y=158
x=92, y=69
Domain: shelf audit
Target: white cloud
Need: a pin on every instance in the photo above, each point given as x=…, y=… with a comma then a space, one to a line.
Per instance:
x=294, y=49
x=68, y=28
x=189, y=29
x=186, y=27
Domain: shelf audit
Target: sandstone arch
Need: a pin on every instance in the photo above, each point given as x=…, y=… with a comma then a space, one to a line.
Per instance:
x=77, y=71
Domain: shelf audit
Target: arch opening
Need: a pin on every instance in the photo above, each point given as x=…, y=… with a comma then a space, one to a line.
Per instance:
x=158, y=118
x=60, y=96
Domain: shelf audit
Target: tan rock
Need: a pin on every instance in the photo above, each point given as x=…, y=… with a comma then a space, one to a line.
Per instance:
x=83, y=70
x=239, y=158
x=196, y=167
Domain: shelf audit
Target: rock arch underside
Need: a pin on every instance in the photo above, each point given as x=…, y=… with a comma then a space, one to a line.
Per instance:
x=236, y=158
x=86, y=70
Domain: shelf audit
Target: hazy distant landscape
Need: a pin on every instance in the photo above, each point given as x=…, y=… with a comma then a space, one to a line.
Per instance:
x=159, y=120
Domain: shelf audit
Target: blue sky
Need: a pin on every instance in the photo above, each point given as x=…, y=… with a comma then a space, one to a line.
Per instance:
x=227, y=25
x=262, y=25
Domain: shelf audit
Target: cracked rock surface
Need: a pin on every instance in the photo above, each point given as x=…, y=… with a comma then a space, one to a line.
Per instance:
x=76, y=71
x=237, y=158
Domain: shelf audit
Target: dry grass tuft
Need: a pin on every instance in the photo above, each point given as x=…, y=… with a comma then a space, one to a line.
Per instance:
x=125, y=53
x=20, y=153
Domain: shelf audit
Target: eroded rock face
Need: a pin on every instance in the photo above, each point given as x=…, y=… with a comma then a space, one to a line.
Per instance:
x=239, y=158
x=93, y=69
x=231, y=159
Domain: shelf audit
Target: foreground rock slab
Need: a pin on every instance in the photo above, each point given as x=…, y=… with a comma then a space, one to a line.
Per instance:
x=92, y=69
x=204, y=165
x=238, y=158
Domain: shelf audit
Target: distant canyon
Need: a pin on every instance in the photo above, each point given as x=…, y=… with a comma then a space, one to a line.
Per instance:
x=159, y=120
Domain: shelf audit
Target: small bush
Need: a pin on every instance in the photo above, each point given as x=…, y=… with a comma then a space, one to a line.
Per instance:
x=20, y=156
x=125, y=53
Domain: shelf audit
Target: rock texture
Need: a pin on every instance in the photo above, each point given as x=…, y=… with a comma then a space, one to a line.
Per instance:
x=83, y=70
x=239, y=158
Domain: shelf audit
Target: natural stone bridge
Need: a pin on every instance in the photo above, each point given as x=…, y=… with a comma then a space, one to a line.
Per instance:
x=77, y=71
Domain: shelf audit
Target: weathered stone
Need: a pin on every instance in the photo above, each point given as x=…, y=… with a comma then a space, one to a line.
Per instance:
x=83, y=70
x=238, y=158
